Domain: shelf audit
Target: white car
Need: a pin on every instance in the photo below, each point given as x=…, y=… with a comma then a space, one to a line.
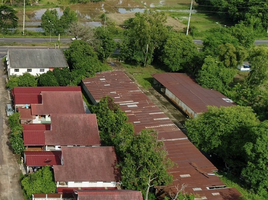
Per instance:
x=244, y=67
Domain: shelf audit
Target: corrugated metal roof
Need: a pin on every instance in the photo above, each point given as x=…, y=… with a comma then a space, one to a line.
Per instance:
x=31, y=95
x=42, y=158
x=87, y=164
x=73, y=129
x=37, y=58
x=109, y=195
x=190, y=93
x=144, y=114
x=36, y=127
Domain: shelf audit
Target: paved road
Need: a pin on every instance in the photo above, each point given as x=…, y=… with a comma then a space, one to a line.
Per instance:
x=10, y=188
x=68, y=40
x=33, y=40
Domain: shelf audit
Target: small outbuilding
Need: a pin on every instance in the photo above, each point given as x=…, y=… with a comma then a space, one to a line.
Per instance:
x=190, y=97
x=34, y=61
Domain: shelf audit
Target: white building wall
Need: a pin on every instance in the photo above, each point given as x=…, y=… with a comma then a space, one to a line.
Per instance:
x=35, y=71
x=180, y=104
x=88, y=184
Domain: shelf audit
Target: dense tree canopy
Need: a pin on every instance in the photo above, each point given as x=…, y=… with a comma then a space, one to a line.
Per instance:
x=42, y=181
x=83, y=61
x=52, y=24
x=214, y=75
x=8, y=18
x=145, y=33
x=142, y=157
x=26, y=80
x=224, y=131
x=105, y=43
x=178, y=51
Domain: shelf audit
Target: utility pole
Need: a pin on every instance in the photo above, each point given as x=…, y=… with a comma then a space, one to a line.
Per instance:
x=188, y=26
x=23, y=23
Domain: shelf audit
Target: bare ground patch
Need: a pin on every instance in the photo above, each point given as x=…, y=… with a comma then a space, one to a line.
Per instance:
x=119, y=18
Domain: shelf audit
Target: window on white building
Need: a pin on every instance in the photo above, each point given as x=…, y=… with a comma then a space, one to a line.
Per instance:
x=42, y=70
x=29, y=70
x=17, y=70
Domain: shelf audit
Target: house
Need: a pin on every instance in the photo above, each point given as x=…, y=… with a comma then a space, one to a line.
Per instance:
x=60, y=102
x=53, y=196
x=108, y=195
x=190, y=97
x=65, y=130
x=193, y=168
x=25, y=96
x=34, y=61
x=86, y=168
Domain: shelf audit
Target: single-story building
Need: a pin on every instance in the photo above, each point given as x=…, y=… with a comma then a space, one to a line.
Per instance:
x=87, y=168
x=65, y=130
x=24, y=96
x=190, y=97
x=34, y=61
x=60, y=102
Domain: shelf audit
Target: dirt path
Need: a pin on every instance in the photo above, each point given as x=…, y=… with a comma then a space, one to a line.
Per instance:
x=10, y=188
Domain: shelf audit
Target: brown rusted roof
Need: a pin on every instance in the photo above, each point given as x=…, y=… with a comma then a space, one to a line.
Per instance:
x=67, y=102
x=73, y=129
x=190, y=93
x=87, y=164
x=192, y=165
x=109, y=195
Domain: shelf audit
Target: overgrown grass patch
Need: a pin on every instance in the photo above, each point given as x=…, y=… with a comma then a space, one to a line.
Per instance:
x=143, y=75
x=231, y=181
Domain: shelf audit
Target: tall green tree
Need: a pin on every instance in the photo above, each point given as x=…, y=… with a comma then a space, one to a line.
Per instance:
x=259, y=69
x=145, y=33
x=83, y=60
x=178, y=51
x=63, y=76
x=53, y=25
x=50, y=22
x=215, y=75
x=224, y=131
x=105, y=44
x=145, y=163
x=111, y=121
x=8, y=18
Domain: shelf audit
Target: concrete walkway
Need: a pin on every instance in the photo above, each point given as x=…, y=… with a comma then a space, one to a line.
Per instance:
x=10, y=188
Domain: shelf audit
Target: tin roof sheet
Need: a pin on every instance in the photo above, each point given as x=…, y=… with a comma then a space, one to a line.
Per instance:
x=42, y=158
x=190, y=93
x=144, y=114
x=34, y=138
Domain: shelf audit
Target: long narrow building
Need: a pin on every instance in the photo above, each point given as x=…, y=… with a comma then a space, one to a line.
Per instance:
x=193, y=169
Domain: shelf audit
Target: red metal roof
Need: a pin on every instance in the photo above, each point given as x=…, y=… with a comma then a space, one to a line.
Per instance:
x=67, y=102
x=42, y=158
x=144, y=114
x=109, y=195
x=73, y=129
x=87, y=164
x=190, y=93
x=34, y=138
x=31, y=95
x=35, y=127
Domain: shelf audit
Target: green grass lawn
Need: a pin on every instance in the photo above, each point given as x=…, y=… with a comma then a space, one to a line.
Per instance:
x=143, y=74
